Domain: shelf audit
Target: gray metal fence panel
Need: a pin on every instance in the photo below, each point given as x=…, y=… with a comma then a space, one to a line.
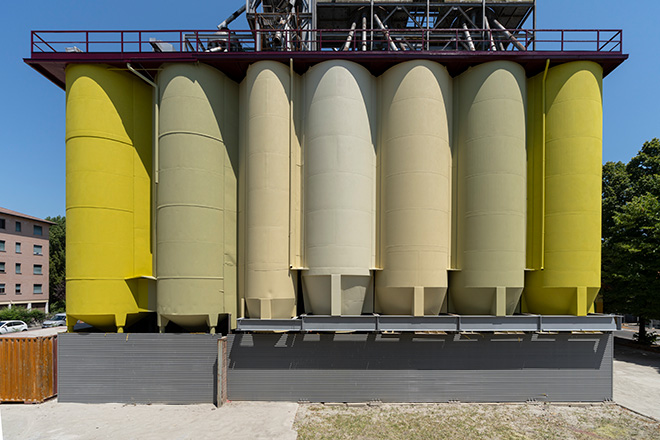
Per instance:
x=420, y=368
x=137, y=368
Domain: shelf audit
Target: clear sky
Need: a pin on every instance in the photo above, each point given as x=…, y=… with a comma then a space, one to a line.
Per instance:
x=32, y=108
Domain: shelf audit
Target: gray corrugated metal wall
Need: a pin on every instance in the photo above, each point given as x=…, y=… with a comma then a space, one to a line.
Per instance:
x=420, y=368
x=137, y=368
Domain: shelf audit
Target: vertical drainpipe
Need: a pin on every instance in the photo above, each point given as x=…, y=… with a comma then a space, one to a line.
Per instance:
x=155, y=162
x=545, y=76
x=292, y=253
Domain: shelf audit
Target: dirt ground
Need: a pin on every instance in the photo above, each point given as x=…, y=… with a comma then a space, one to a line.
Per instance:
x=473, y=421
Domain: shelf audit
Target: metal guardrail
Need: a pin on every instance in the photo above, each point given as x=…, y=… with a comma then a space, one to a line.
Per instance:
x=442, y=323
x=327, y=40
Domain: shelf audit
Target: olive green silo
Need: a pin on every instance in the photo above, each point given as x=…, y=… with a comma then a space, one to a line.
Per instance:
x=339, y=187
x=269, y=283
x=490, y=175
x=415, y=190
x=197, y=196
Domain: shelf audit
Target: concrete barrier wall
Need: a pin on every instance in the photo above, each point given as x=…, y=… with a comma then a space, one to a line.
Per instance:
x=138, y=368
x=420, y=368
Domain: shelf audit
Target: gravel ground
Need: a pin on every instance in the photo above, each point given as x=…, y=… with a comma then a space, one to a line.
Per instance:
x=473, y=421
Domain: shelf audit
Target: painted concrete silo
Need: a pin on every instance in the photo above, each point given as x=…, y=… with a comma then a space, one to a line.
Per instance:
x=490, y=169
x=266, y=92
x=339, y=187
x=108, y=196
x=197, y=196
x=415, y=196
x=566, y=179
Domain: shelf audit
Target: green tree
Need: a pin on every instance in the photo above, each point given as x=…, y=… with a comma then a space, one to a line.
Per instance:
x=631, y=235
x=57, y=277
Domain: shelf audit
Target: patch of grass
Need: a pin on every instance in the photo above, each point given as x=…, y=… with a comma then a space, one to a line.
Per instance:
x=472, y=421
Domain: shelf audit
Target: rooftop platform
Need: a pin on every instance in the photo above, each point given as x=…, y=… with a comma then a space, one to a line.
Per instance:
x=376, y=49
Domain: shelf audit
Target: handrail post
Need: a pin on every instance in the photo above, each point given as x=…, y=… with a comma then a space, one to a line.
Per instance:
x=562, y=40
x=140, y=41
x=122, y=41
x=598, y=40
x=32, y=41
x=87, y=41
x=180, y=41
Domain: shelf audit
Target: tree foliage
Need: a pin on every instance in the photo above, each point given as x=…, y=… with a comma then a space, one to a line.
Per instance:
x=57, y=276
x=631, y=234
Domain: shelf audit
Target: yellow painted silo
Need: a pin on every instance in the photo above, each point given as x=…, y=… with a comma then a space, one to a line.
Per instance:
x=415, y=189
x=269, y=289
x=197, y=196
x=339, y=187
x=490, y=189
x=565, y=178
x=108, y=196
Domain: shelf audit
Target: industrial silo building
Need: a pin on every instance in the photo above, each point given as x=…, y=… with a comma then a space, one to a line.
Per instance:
x=372, y=200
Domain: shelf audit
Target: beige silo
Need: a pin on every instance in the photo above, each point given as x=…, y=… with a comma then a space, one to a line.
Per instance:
x=266, y=99
x=415, y=191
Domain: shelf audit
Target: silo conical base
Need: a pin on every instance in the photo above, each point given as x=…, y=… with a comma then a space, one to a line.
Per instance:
x=335, y=294
x=498, y=301
x=415, y=301
x=271, y=308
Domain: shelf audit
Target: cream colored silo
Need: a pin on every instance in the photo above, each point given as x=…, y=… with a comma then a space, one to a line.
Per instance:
x=339, y=187
x=490, y=190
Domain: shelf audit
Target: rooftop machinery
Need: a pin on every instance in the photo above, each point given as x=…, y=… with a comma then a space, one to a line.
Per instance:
x=369, y=25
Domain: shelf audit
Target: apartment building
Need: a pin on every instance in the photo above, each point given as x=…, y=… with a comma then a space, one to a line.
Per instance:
x=24, y=250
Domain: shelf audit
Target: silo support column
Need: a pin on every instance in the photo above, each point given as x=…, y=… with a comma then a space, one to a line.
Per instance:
x=499, y=302
x=580, y=308
x=335, y=295
x=120, y=322
x=418, y=301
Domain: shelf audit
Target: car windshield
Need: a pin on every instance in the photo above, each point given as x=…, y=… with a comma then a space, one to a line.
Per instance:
x=60, y=317
x=2, y=323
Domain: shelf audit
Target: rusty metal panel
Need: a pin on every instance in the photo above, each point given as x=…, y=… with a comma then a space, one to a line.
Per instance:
x=27, y=369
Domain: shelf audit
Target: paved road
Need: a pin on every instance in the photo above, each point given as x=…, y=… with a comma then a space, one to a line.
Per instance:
x=628, y=331
x=637, y=380
x=36, y=331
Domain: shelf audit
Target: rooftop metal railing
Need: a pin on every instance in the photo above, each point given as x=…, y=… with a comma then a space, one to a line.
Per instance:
x=327, y=40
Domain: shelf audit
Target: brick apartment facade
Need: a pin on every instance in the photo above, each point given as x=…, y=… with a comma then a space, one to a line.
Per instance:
x=24, y=268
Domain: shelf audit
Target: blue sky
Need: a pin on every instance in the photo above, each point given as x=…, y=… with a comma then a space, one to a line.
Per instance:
x=32, y=108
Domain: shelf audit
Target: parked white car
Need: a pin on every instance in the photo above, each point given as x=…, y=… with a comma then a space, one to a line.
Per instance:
x=12, y=326
x=55, y=321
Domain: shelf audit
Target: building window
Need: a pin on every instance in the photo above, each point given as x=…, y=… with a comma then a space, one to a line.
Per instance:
x=37, y=249
x=36, y=269
x=2, y=289
x=18, y=227
x=38, y=289
x=2, y=223
x=18, y=268
x=18, y=248
x=38, y=230
x=2, y=245
x=18, y=289
x=2, y=267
